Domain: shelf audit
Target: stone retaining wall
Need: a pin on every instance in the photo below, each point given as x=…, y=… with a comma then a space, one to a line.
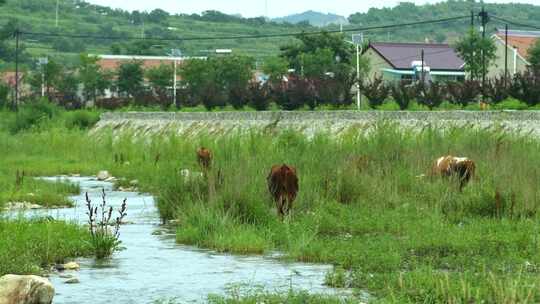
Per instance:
x=142, y=123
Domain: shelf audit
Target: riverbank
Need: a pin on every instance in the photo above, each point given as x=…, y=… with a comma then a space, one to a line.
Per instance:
x=360, y=207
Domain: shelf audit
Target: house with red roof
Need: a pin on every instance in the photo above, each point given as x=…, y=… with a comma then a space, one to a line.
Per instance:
x=403, y=61
x=517, y=51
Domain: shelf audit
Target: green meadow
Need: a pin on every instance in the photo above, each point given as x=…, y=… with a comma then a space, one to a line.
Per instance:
x=362, y=205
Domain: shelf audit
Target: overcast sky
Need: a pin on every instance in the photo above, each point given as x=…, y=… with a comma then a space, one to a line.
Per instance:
x=276, y=8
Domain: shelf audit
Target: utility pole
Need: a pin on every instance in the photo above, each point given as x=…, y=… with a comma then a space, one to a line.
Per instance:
x=484, y=18
x=358, y=39
x=16, y=101
x=505, y=55
x=472, y=44
x=422, y=71
x=57, y=2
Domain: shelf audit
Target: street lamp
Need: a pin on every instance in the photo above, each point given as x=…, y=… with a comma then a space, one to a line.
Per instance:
x=175, y=53
x=43, y=61
x=358, y=40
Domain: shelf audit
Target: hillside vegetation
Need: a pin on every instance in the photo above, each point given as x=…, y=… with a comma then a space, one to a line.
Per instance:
x=77, y=17
x=81, y=18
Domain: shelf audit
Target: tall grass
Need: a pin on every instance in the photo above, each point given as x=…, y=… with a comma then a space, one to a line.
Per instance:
x=361, y=205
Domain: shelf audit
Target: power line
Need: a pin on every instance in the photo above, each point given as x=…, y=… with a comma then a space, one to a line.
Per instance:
x=368, y=28
x=514, y=22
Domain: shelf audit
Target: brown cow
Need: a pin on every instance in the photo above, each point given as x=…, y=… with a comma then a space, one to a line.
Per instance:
x=204, y=157
x=283, y=186
x=461, y=167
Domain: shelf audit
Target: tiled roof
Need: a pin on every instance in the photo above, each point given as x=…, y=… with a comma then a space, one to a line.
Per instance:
x=436, y=56
x=520, y=40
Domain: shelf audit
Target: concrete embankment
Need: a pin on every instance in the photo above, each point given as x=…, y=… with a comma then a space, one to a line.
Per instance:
x=333, y=122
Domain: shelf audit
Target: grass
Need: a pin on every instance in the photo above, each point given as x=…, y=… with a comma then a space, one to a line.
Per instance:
x=28, y=246
x=290, y=297
x=360, y=207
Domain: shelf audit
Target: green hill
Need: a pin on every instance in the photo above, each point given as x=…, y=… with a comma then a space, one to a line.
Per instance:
x=443, y=32
x=80, y=18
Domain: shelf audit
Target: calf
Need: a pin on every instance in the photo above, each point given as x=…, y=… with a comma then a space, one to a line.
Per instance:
x=204, y=157
x=461, y=167
x=283, y=186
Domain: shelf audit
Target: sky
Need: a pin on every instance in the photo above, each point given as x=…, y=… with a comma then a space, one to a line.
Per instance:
x=276, y=8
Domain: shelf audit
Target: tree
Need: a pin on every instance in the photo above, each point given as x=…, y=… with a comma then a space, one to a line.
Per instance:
x=534, y=57
x=161, y=79
x=95, y=81
x=199, y=78
x=68, y=45
x=275, y=68
x=310, y=44
x=47, y=75
x=316, y=64
x=130, y=78
x=470, y=48
x=235, y=73
x=158, y=16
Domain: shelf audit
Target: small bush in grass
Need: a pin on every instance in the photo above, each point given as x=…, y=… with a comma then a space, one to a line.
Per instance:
x=403, y=93
x=81, y=119
x=100, y=219
x=376, y=91
x=337, y=278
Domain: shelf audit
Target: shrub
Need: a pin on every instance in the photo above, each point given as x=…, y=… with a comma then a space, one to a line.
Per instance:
x=431, y=95
x=81, y=119
x=104, y=240
x=32, y=114
x=259, y=96
x=285, y=100
x=302, y=91
x=526, y=87
x=4, y=92
x=403, y=93
x=511, y=104
x=376, y=91
x=496, y=89
x=463, y=93
x=112, y=103
x=238, y=97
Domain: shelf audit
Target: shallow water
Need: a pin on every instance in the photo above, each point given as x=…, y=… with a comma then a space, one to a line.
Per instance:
x=154, y=267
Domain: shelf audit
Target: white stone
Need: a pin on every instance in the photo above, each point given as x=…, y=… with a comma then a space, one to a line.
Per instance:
x=25, y=290
x=22, y=206
x=72, y=281
x=103, y=175
x=71, y=266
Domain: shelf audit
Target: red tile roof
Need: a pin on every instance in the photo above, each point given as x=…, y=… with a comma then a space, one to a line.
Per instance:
x=520, y=40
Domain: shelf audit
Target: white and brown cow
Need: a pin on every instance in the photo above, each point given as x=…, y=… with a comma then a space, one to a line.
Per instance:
x=462, y=168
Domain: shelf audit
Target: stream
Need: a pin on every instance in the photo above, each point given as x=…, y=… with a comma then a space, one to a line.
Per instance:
x=153, y=267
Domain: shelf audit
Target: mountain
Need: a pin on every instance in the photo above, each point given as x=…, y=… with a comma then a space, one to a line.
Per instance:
x=313, y=18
